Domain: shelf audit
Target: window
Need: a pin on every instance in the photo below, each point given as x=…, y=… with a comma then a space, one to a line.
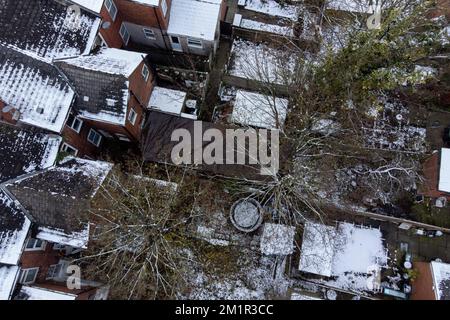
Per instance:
x=145, y=72
x=132, y=116
x=28, y=275
x=112, y=9
x=74, y=123
x=124, y=34
x=69, y=149
x=94, y=137
x=194, y=43
x=35, y=245
x=149, y=34
x=164, y=7
x=54, y=271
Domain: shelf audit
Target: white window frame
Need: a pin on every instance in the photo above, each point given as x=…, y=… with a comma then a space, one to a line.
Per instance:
x=149, y=33
x=65, y=146
x=24, y=274
x=124, y=32
x=34, y=248
x=145, y=72
x=132, y=116
x=194, y=45
x=54, y=266
x=96, y=133
x=164, y=7
x=70, y=125
x=109, y=4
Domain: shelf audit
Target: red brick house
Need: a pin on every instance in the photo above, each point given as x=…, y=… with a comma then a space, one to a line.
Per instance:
x=189, y=26
x=112, y=87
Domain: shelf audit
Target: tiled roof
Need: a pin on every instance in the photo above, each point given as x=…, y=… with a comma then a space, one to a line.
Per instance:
x=35, y=88
x=24, y=151
x=43, y=28
x=58, y=198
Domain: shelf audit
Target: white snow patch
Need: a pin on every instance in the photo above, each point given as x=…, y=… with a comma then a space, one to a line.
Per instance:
x=35, y=293
x=444, y=174
x=167, y=100
x=8, y=275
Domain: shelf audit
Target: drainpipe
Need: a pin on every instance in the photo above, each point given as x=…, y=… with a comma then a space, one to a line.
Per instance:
x=159, y=25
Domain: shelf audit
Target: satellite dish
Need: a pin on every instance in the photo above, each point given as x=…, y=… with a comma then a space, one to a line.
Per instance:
x=7, y=109
x=106, y=25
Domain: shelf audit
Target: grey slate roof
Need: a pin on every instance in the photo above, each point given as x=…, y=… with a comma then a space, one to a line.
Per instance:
x=59, y=197
x=24, y=151
x=28, y=83
x=42, y=27
x=99, y=87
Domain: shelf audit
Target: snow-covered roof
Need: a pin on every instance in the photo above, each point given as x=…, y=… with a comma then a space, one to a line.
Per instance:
x=273, y=8
x=109, y=60
x=360, y=6
x=153, y=3
x=35, y=293
x=441, y=279
x=317, y=249
x=444, y=174
x=102, y=83
x=259, y=110
x=8, y=275
x=259, y=62
x=167, y=100
x=35, y=88
x=14, y=226
x=59, y=198
x=24, y=151
x=194, y=18
x=266, y=27
x=277, y=239
x=355, y=253
x=93, y=5
x=46, y=28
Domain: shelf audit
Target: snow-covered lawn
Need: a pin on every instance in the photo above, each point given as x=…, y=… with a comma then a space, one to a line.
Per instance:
x=260, y=62
x=273, y=8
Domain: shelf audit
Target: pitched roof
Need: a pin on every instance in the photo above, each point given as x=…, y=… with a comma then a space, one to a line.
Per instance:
x=14, y=226
x=24, y=151
x=93, y=5
x=35, y=88
x=101, y=81
x=43, y=27
x=194, y=18
x=58, y=199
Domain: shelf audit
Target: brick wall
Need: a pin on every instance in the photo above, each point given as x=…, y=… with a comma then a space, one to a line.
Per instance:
x=144, y=15
x=41, y=259
x=111, y=35
x=430, y=169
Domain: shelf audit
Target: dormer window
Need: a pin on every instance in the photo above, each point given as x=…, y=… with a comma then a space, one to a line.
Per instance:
x=145, y=72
